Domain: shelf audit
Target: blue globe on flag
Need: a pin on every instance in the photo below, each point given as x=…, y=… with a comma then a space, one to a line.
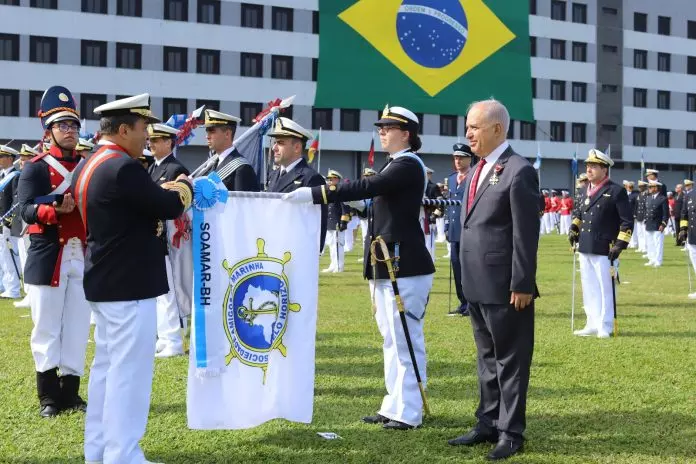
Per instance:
x=432, y=33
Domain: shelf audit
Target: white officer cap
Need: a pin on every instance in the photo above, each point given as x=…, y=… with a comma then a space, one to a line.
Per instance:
x=138, y=105
x=155, y=131
x=84, y=145
x=651, y=171
x=215, y=119
x=26, y=150
x=6, y=150
x=597, y=157
x=285, y=127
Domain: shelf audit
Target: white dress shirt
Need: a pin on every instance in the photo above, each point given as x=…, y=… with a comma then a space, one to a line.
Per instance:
x=490, y=162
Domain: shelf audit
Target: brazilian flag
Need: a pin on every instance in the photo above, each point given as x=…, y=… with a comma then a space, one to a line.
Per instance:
x=430, y=56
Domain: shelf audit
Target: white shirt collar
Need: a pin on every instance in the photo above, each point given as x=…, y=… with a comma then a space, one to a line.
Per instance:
x=225, y=154
x=158, y=162
x=495, y=154
x=8, y=170
x=400, y=153
x=292, y=165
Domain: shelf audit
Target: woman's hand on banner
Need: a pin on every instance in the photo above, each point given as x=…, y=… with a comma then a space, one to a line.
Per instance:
x=301, y=195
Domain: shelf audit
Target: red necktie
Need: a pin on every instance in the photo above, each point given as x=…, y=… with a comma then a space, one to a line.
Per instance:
x=474, y=184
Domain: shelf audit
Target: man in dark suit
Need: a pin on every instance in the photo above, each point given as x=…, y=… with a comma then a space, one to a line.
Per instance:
x=455, y=182
x=166, y=168
x=656, y=218
x=294, y=172
x=499, y=241
x=236, y=172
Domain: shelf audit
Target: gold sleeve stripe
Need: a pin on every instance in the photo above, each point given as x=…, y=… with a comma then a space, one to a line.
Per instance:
x=185, y=194
x=684, y=223
x=577, y=221
x=624, y=236
x=323, y=194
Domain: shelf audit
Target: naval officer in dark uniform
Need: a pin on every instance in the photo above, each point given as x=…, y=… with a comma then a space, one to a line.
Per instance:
x=9, y=179
x=602, y=227
x=397, y=192
x=639, y=225
x=236, y=172
x=337, y=218
x=656, y=219
x=289, y=141
x=125, y=272
x=687, y=227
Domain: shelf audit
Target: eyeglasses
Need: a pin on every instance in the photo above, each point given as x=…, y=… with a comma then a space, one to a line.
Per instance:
x=65, y=127
x=386, y=129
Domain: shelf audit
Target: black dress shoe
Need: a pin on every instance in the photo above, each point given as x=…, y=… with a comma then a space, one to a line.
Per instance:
x=75, y=404
x=474, y=437
x=49, y=410
x=396, y=425
x=504, y=449
x=376, y=419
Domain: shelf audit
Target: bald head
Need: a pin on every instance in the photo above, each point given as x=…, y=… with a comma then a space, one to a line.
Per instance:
x=487, y=124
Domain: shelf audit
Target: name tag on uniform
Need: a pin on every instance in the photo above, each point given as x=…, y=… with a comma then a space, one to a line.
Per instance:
x=298, y=182
x=162, y=178
x=606, y=195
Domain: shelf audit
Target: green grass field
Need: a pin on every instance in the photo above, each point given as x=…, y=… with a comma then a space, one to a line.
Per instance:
x=631, y=399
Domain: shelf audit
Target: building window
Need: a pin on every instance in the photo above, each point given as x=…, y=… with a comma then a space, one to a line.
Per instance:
x=9, y=102
x=252, y=15
x=248, y=111
x=640, y=98
x=532, y=7
x=511, y=130
x=664, y=62
x=610, y=48
x=281, y=67
x=607, y=10
x=558, y=49
x=558, y=131
x=691, y=102
x=579, y=132
x=664, y=25
x=579, y=51
x=209, y=104
x=663, y=99
x=209, y=11
x=663, y=138
x=43, y=49
x=9, y=47
x=640, y=59
x=579, y=92
x=640, y=22
x=282, y=18
x=176, y=10
x=93, y=53
x=580, y=13
x=534, y=92
x=639, y=136
x=35, y=102
x=691, y=65
x=691, y=139
x=315, y=22
x=315, y=68
x=172, y=106
x=691, y=29
x=558, y=90
x=527, y=130
x=252, y=64
x=9, y=2
x=609, y=88
x=608, y=128
x=207, y=61
x=448, y=125
x=175, y=59
x=287, y=112
x=322, y=118
x=558, y=10
x=95, y=6
x=129, y=8
x=532, y=45
x=48, y=4
x=89, y=101
x=128, y=56
x=350, y=120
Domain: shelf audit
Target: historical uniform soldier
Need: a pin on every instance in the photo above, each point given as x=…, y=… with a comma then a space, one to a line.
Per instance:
x=462, y=162
x=602, y=228
x=84, y=147
x=566, y=212
x=546, y=222
x=640, y=218
x=290, y=140
x=236, y=172
x=9, y=179
x=166, y=168
x=55, y=259
x=687, y=226
x=397, y=191
x=338, y=215
x=121, y=207
x=656, y=217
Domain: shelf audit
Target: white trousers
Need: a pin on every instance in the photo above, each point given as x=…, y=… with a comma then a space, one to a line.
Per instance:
x=61, y=317
x=642, y=236
x=597, y=296
x=656, y=241
x=335, y=241
x=692, y=254
x=403, y=402
x=634, y=237
x=565, y=224
x=120, y=381
x=168, y=324
x=363, y=229
x=440, y=226
x=9, y=258
x=430, y=243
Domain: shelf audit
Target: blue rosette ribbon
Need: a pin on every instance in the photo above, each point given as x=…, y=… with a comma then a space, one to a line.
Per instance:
x=208, y=191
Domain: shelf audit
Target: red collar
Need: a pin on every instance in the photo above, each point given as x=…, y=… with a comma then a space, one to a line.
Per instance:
x=56, y=152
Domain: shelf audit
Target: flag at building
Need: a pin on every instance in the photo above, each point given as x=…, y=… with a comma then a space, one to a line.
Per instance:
x=254, y=308
x=642, y=165
x=431, y=56
x=537, y=162
x=313, y=149
x=371, y=154
x=574, y=165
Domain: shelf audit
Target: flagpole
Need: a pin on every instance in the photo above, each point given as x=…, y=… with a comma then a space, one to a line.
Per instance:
x=319, y=153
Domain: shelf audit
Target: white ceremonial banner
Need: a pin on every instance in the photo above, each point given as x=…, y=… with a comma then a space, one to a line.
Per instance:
x=255, y=269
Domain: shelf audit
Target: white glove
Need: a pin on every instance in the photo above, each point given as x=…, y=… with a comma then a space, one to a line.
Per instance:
x=301, y=195
x=357, y=204
x=5, y=232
